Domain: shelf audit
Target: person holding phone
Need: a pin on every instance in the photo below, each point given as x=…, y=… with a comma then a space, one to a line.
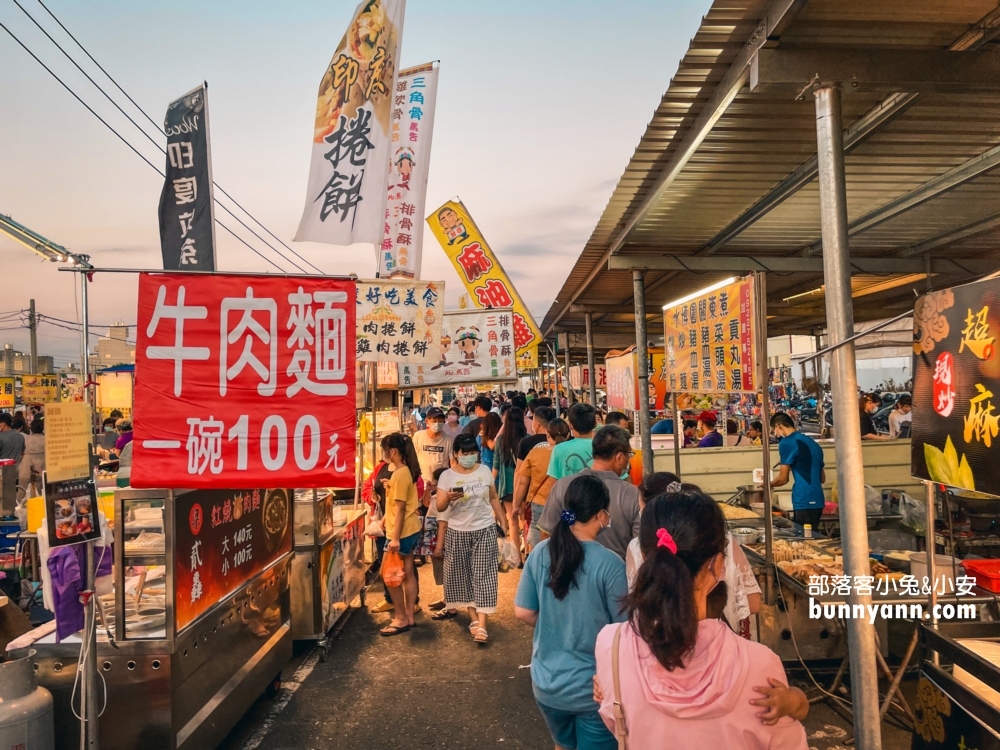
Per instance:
x=467, y=493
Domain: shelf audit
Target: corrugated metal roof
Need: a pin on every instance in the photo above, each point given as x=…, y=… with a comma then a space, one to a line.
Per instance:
x=761, y=138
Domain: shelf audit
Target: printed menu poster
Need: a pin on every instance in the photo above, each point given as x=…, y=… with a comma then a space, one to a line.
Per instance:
x=709, y=341
x=71, y=511
x=68, y=434
x=399, y=320
x=475, y=346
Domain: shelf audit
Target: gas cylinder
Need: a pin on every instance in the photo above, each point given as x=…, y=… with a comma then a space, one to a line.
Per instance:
x=26, y=719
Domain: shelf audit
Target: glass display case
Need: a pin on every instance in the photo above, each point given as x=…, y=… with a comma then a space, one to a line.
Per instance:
x=198, y=623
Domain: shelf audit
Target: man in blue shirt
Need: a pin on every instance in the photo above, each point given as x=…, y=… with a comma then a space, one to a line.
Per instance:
x=801, y=456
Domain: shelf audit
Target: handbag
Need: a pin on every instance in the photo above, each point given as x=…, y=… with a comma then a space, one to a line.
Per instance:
x=621, y=733
x=376, y=527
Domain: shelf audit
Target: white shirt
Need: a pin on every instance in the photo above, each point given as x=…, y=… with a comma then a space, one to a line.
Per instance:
x=473, y=511
x=896, y=421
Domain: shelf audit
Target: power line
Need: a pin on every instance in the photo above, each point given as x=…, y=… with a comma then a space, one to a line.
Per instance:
x=159, y=129
x=127, y=143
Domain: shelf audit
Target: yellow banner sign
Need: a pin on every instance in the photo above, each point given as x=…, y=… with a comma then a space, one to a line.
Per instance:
x=39, y=389
x=7, y=399
x=483, y=276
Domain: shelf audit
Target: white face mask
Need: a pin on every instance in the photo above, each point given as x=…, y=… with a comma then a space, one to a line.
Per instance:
x=467, y=460
x=435, y=426
x=452, y=418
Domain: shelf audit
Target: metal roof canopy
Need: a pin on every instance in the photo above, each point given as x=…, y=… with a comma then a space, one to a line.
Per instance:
x=723, y=180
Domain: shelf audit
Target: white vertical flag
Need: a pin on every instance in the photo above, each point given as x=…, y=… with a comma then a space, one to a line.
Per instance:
x=410, y=150
x=347, y=173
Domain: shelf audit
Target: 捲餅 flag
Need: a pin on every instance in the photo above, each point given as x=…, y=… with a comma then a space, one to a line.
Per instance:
x=345, y=199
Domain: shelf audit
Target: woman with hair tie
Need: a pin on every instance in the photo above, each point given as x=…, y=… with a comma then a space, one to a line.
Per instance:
x=672, y=671
x=570, y=588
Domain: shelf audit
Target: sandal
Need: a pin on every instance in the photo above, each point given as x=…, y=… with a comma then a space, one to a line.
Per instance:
x=481, y=636
x=473, y=628
x=445, y=614
x=392, y=630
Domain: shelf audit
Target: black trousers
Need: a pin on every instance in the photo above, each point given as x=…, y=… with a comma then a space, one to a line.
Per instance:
x=811, y=516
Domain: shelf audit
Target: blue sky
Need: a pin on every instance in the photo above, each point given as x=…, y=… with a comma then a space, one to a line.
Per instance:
x=540, y=107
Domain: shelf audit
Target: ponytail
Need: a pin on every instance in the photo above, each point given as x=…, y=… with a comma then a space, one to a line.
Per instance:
x=403, y=444
x=679, y=534
x=586, y=496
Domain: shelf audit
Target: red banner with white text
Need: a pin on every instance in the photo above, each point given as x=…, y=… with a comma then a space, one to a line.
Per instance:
x=244, y=381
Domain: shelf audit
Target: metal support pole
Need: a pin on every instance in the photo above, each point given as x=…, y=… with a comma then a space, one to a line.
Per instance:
x=33, y=329
x=678, y=434
x=930, y=497
x=760, y=311
x=642, y=355
x=554, y=381
x=591, y=366
x=844, y=384
x=570, y=393
x=89, y=729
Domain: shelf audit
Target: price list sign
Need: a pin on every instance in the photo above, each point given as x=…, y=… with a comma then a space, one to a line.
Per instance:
x=244, y=381
x=709, y=340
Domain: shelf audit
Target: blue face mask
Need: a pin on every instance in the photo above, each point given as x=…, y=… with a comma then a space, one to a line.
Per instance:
x=467, y=460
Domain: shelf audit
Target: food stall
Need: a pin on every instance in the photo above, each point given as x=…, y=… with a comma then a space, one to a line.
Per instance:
x=197, y=625
x=954, y=369
x=329, y=567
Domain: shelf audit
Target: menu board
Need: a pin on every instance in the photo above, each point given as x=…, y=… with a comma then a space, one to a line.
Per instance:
x=68, y=431
x=8, y=399
x=623, y=383
x=39, y=389
x=709, y=341
x=475, y=346
x=223, y=539
x=956, y=387
x=71, y=511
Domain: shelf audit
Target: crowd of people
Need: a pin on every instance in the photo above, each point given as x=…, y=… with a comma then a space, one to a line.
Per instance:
x=22, y=440
x=640, y=599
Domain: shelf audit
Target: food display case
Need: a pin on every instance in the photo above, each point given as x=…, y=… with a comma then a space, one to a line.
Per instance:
x=329, y=567
x=197, y=625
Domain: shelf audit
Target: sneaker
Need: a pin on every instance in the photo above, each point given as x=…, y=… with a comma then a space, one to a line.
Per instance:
x=385, y=606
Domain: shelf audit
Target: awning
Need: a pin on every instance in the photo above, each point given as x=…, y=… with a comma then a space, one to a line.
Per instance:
x=723, y=181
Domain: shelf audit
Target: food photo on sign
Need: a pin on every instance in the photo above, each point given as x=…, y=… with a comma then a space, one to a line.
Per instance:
x=956, y=387
x=244, y=381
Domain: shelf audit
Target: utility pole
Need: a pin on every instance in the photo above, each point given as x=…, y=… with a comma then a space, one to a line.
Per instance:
x=33, y=329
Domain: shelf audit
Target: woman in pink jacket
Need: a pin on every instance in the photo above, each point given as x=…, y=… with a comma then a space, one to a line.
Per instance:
x=682, y=675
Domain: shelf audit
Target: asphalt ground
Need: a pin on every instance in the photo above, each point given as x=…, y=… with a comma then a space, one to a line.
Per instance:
x=433, y=687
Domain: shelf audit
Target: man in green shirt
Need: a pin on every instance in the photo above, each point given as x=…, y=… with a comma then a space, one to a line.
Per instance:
x=577, y=454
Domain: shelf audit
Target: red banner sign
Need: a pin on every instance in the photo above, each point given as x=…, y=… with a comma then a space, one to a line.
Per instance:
x=244, y=381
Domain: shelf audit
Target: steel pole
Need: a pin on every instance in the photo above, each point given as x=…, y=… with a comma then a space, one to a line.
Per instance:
x=33, y=329
x=760, y=311
x=844, y=384
x=88, y=695
x=591, y=365
x=642, y=355
x=570, y=393
x=678, y=434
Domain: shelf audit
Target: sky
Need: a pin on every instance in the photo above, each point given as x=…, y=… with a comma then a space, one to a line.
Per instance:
x=540, y=107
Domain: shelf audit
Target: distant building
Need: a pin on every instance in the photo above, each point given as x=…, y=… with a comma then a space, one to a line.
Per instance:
x=13, y=362
x=113, y=350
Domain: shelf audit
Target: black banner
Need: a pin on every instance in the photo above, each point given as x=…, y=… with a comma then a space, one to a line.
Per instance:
x=956, y=387
x=187, y=228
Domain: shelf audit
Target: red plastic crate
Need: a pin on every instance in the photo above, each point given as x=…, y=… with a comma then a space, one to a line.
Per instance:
x=986, y=573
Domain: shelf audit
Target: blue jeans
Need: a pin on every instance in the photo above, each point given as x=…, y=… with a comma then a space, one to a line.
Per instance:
x=578, y=730
x=534, y=533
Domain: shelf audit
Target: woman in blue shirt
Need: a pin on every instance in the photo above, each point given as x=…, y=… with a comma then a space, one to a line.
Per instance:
x=570, y=588
x=487, y=437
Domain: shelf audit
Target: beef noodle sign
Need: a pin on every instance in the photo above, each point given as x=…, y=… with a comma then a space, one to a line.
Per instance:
x=244, y=381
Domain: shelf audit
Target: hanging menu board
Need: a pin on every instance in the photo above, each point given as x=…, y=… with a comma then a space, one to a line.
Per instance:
x=709, y=341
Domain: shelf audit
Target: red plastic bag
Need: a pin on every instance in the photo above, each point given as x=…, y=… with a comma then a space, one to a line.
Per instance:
x=392, y=569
